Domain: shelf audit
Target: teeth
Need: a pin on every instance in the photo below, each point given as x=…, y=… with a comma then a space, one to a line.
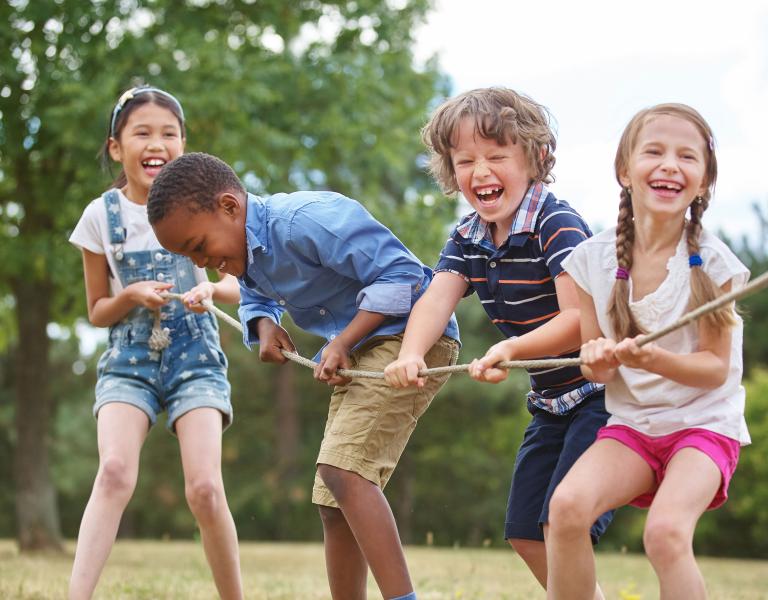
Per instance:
x=669, y=186
x=488, y=191
x=154, y=162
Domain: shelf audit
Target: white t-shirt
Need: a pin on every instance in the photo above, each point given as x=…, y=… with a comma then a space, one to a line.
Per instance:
x=92, y=233
x=645, y=401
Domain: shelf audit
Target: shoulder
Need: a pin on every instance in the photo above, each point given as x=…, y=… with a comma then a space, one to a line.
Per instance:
x=558, y=213
x=600, y=248
x=720, y=262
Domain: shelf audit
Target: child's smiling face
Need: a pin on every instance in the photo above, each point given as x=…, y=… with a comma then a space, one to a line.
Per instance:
x=212, y=239
x=150, y=138
x=667, y=167
x=493, y=178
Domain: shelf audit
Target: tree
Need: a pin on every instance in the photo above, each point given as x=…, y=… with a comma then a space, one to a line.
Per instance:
x=265, y=86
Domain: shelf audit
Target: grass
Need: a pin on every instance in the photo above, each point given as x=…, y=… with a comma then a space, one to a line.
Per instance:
x=177, y=570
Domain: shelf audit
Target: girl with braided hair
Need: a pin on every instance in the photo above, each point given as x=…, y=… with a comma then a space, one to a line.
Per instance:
x=677, y=406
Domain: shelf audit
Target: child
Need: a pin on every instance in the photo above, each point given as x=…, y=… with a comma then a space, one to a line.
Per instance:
x=159, y=356
x=677, y=406
x=341, y=275
x=495, y=147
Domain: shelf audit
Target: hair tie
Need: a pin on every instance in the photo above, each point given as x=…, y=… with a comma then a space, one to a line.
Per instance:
x=622, y=273
x=694, y=260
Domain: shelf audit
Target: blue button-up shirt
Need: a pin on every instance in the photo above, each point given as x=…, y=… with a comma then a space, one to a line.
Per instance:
x=321, y=257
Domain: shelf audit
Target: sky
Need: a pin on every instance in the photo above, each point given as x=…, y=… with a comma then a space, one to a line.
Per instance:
x=595, y=63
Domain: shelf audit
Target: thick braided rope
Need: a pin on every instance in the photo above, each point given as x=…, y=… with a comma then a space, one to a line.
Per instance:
x=751, y=287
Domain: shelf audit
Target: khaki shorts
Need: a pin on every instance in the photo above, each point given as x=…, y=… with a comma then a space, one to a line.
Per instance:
x=369, y=423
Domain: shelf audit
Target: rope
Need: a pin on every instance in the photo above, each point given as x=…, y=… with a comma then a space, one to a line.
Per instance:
x=751, y=287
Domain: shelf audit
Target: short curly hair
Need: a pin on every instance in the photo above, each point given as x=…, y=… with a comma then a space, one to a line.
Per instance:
x=500, y=114
x=193, y=181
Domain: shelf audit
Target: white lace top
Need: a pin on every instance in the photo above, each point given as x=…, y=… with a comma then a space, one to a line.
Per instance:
x=646, y=401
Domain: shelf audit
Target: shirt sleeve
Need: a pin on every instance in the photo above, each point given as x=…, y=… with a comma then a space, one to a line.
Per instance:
x=575, y=264
x=255, y=306
x=344, y=237
x=560, y=232
x=452, y=261
x=87, y=232
x=721, y=264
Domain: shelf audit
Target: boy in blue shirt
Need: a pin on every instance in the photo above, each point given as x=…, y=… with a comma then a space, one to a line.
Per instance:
x=341, y=275
x=495, y=147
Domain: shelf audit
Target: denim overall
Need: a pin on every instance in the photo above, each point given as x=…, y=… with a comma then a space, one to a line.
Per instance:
x=191, y=372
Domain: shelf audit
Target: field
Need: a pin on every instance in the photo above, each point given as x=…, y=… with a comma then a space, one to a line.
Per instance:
x=177, y=570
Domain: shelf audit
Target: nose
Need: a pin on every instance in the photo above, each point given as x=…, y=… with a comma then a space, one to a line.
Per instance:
x=669, y=164
x=481, y=168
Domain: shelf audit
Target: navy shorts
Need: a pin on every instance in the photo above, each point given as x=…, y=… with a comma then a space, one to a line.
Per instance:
x=551, y=445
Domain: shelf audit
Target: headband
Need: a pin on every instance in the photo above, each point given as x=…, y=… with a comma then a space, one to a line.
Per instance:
x=130, y=94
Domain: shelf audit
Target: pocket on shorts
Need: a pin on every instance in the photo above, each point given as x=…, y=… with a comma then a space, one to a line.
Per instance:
x=213, y=342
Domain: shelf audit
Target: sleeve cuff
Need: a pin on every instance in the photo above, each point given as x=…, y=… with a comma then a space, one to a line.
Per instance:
x=392, y=299
x=250, y=338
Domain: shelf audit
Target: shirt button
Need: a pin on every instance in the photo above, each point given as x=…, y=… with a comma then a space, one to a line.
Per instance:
x=322, y=311
x=160, y=276
x=159, y=256
x=492, y=264
x=332, y=336
x=281, y=302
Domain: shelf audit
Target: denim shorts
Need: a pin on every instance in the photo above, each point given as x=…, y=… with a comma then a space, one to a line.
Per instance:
x=190, y=373
x=551, y=445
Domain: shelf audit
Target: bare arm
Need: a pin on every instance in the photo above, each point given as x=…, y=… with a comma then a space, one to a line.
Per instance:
x=105, y=310
x=706, y=368
x=336, y=354
x=557, y=336
x=226, y=291
x=428, y=320
x=598, y=362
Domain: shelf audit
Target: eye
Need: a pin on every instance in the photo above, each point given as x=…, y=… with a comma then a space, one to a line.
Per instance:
x=198, y=247
x=498, y=157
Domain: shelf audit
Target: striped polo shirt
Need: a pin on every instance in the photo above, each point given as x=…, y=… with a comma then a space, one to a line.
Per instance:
x=516, y=282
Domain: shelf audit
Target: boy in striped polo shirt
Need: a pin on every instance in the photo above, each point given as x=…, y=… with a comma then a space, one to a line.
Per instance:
x=495, y=147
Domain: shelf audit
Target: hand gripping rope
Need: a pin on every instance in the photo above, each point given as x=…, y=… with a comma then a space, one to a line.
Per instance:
x=751, y=287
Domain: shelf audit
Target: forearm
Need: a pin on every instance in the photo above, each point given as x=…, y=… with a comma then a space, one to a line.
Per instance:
x=109, y=310
x=428, y=320
x=226, y=290
x=363, y=323
x=703, y=369
x=558, y=336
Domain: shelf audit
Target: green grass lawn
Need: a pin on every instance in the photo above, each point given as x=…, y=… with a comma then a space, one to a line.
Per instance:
x=177, y=570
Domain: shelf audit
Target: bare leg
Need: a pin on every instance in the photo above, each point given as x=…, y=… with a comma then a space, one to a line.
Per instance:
x=577, y=502
x=690, y=483
x=370, y=520
x=534, y=554
x=121, y=430
x=199, y=434
x=344, y=561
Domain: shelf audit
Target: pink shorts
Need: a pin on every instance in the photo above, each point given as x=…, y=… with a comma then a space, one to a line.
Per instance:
x=657, y=451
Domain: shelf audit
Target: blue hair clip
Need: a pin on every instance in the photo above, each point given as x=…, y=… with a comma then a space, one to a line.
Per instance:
x=694, y=260
x=130, y=94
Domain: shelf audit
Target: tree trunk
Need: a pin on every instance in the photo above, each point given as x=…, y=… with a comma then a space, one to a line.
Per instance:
x=36, y=509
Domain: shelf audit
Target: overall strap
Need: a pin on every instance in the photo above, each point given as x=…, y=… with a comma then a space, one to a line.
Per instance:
x=114, y=222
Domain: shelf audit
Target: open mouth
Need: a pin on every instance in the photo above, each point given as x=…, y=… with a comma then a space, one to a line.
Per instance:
x=489, y=194
x=152, y=166
x=666, y=188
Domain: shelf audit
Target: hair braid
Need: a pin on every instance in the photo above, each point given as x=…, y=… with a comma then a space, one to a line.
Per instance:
x=624, y=323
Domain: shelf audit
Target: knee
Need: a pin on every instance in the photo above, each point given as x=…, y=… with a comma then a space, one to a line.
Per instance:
x=666, y=540
x=115, y=477
x=527, y=549
x=568, y=513
x=337, y=481
x=204, y=497
x=331, y=517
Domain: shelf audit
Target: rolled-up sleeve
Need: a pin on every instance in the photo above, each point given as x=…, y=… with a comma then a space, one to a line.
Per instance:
x=348, y=240
x=254, y=306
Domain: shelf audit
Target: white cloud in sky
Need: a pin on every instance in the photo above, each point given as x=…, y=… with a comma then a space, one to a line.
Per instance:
x=595, y=63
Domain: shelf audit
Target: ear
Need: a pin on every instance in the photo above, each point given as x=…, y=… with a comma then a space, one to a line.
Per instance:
x=114, y=150
x=624, y=179
x=230, y=204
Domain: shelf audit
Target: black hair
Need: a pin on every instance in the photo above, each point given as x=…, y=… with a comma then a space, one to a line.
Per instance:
x=193, y=181
x=123, y=109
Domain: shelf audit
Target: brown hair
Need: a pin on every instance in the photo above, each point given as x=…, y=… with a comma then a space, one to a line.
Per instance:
x=499, y=114
x=703, y=289
x=119, y=117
